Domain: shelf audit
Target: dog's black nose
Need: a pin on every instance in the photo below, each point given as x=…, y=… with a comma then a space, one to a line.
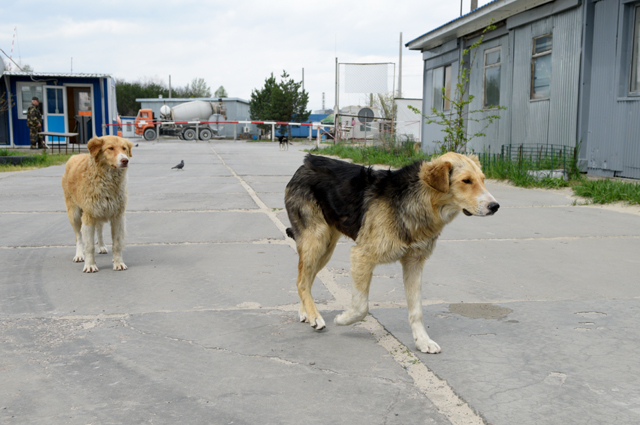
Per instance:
x=493, y=207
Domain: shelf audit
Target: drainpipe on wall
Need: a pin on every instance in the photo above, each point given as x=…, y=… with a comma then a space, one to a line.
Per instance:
x=104, y=122
x=474, y=5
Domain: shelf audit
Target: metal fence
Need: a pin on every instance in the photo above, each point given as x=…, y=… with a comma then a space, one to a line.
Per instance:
x=533, y=157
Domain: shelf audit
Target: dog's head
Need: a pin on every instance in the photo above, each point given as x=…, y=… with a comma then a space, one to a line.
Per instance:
x=110, y=151
x=459, y=183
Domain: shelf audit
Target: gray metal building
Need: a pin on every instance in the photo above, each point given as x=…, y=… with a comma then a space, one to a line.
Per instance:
x=237, y=110
x=568, y=72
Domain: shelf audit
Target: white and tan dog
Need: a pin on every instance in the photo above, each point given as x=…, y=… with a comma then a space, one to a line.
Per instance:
x=95, y=191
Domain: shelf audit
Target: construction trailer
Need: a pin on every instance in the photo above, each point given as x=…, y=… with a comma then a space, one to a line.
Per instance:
x=76, y=103
x=567, y=71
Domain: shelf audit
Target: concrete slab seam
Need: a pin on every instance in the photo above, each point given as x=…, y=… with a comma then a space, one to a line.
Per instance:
x=267, y=241
x=436, y=390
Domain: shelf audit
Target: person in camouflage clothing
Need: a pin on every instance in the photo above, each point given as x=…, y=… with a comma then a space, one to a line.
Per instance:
x=34, y=122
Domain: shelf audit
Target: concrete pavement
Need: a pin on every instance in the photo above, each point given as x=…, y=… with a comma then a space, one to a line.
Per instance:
x=536, y=309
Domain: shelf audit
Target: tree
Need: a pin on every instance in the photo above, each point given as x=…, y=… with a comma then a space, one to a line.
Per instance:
x=260, y=102
x=198, y=88
x=221, y=92
x=283, y=101
x=455, y=121
x=127, y=93
x=26, y=68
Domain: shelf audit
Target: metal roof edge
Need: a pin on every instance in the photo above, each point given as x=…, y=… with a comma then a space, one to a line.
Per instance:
x=473, y=21
x=54, y=74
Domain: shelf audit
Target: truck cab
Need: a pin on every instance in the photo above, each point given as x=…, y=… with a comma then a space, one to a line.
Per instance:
x=144, y=124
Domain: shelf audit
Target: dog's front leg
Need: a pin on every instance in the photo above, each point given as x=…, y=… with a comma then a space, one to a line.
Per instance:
x=412, y=275
x=117, y=236
x=88, y=233
x=361, y=272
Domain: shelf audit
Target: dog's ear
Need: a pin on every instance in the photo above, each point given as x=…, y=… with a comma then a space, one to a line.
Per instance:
x=436, y=175
x=129, y=147
x=95, y=145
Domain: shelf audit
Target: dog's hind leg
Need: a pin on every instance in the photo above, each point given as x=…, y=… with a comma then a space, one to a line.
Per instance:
x=117, y=235
x=75, y=218
x=361, y=272
x=315, y=249
x=412, y=266
x=102, y=248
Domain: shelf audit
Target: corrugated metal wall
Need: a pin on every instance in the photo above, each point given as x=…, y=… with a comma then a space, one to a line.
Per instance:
x=613, y=137
x=497, y=132
x=552, y=120
x=432, y=133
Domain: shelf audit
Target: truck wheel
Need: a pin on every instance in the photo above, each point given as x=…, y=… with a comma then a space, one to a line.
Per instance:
x=205, y=134
x=189, y=134
x=149, y=134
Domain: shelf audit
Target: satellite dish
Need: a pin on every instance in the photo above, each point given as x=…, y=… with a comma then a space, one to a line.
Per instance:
x=215, y=126
x=365, y=115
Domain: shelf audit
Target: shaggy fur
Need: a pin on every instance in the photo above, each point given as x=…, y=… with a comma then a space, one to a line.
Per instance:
x=391, y=215
x=95, y=191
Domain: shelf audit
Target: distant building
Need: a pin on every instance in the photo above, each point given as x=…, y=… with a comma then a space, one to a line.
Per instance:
x=568, y=72
x=68, y=101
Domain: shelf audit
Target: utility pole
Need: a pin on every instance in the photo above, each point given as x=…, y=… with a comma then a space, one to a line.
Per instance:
x=400, y=70
x=302, y=79
x=169, y=86
x=474, y=5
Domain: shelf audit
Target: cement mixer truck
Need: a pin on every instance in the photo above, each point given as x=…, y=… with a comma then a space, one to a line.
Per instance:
x=188, y=121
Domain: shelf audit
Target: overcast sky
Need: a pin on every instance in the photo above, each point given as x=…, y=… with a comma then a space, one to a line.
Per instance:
x=235, y=43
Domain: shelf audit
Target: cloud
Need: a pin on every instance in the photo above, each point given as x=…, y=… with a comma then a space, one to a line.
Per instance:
x=235, y=44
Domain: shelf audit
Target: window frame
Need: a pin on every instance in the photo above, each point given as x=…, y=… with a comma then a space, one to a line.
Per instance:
x=484, y=77
x=444, y=106
x=635, y=51
x=534, y=56
x=19, y=86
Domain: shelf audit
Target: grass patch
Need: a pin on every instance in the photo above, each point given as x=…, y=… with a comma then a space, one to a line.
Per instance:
x=40, y=160
x=608, y=191
x=387, y=154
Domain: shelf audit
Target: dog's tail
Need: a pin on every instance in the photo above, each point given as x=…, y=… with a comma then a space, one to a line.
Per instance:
x=290, y=233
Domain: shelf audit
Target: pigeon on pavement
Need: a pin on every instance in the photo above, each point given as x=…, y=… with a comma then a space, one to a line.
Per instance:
x=136, y=145
x=179, y=166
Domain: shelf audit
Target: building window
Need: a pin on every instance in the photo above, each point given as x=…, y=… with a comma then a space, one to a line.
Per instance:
x=634, y=87
x=26, y=93
x=492, y=62
x=442, y=79
x=541, y=67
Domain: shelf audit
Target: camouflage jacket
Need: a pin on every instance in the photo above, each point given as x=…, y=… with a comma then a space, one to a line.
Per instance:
x=34, y=117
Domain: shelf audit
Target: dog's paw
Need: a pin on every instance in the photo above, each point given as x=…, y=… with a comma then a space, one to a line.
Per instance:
x=102, y=249
x=90, y=268
x=427, y=346
x=119, y=266
x=318, y=323
x=78, y=259
x=303, y=315
x=347, y=318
